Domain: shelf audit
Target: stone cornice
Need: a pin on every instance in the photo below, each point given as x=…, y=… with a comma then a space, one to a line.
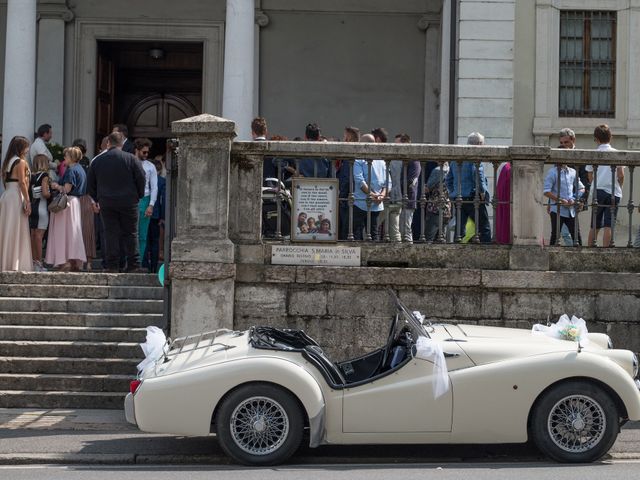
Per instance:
x=427, y=20
x=261, y=19
x=53, y=10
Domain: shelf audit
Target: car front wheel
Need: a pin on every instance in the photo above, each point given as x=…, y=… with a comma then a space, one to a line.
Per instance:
x=259, y=424
x=575, y=422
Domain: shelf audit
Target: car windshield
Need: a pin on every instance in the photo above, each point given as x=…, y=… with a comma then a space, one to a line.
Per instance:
x=410, y=319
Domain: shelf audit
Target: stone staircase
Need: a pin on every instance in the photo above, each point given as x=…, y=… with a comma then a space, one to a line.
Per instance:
x=71, y=340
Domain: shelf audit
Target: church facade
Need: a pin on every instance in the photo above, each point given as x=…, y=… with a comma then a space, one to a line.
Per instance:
x=515, y=70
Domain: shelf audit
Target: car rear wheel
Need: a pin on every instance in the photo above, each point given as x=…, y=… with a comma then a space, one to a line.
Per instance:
x=575, y=422
x=259, y=424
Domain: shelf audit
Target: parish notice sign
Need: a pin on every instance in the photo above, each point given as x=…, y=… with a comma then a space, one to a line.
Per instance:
x=314, y=255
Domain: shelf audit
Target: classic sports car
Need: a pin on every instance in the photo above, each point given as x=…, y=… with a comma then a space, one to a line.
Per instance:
x=263, y=390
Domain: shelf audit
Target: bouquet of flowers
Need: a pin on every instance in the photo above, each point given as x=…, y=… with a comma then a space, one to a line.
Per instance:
x=56, y=151
x=573, y=329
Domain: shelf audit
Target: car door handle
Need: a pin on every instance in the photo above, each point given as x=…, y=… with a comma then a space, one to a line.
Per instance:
x=451, y=355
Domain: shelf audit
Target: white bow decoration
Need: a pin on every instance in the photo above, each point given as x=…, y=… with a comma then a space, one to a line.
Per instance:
x=153, y=348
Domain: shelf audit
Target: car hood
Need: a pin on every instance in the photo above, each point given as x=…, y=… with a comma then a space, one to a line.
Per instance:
x=484, y=344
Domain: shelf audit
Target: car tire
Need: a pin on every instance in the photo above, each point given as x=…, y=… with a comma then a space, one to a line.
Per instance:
x=259, y=424
x=575, y=422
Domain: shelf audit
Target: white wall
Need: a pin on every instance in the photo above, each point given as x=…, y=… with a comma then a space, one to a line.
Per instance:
x=485, y=70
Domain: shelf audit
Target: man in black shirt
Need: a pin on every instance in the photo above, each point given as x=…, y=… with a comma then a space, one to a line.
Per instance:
x=116, y=185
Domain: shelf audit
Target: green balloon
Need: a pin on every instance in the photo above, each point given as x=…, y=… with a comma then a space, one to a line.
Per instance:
x=161, y=274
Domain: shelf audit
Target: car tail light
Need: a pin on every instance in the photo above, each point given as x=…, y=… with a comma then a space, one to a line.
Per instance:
x=133, y=386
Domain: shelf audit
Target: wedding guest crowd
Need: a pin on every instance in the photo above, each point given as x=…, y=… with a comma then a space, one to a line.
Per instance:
x=56, y=215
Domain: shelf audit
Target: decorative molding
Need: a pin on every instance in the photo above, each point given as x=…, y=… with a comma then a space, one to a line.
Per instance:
x=55, y=11
x=427, y=20
x=261, y=18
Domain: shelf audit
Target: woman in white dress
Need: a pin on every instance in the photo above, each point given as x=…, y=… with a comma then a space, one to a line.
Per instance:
x=15, y=208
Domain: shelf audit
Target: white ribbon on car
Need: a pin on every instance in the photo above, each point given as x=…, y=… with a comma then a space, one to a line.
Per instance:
x=431, y=350
x=574, y=329
x=153, y=348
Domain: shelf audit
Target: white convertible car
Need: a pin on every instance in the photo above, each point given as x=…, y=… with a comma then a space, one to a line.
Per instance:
x=264, y=390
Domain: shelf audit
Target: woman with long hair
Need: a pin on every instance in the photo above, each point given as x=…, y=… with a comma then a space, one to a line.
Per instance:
x=65, y=247
x=15, y=208
x=39, y=218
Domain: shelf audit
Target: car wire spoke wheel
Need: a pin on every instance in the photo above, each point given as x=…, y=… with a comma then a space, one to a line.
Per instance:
x=576, y=423
x=259, y=425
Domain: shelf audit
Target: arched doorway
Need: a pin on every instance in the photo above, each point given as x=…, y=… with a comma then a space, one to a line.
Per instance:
x=148, y=85
x=152, y=116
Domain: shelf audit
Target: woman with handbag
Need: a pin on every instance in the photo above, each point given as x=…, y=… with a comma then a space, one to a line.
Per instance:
x=65, y=247
x=15, y=208
x=39, y=218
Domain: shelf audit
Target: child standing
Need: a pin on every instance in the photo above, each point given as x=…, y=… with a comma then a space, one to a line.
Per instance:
x=39, y=193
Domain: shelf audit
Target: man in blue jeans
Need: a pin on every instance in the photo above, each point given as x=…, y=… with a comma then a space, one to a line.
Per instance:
x=466, y=177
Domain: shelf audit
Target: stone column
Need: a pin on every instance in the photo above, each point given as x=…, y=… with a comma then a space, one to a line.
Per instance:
x=527, y=210
x=19, y=72
x=50, y=75
x=261, y=21
x=202, y=264
x=430, y=24
x=444, y=71
x=237, y=95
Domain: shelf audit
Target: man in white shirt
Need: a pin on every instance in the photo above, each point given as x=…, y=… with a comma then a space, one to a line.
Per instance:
x=608, y=198
x=145, y=207
x=39, y=145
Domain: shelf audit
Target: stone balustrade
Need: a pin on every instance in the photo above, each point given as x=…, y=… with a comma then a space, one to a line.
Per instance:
x=221, y=273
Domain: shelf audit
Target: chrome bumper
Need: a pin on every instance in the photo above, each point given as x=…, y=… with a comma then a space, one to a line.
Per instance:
x=129, y=409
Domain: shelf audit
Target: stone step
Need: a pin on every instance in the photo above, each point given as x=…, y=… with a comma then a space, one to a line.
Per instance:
x=79, y=278
x=49, y=400
x=82, y=291
x=67, y=333
x=24, y=304
x=71, y=349
x=69, y=365
x=62, y=382
x=132, y=320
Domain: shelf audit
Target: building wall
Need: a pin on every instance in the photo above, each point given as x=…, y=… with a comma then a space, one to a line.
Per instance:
x=3, y=34
x=337, y=69
x=524, y=73
x=348, y=309
x=485, y=70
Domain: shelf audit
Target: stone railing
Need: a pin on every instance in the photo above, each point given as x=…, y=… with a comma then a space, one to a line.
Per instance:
x=221, y=272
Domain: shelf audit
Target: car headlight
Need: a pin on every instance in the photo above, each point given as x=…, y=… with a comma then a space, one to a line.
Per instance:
x=635, y=366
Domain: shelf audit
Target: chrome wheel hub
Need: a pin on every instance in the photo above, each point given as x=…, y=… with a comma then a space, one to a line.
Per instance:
x=259, y=425
x=576, y=423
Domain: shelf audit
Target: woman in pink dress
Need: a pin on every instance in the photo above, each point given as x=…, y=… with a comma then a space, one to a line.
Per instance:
x=15, y=208
x=503, y=210
x=65, y=248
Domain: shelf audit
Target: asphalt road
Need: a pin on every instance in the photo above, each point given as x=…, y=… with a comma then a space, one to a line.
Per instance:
x=618, y=470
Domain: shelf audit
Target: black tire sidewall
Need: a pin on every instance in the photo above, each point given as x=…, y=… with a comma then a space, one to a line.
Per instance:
x=543, y=408
x=290, y=405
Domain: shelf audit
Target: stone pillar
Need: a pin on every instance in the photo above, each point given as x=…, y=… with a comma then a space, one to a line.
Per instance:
x=444, y=71
x=19, y=72
x=527, y=210
x=261, y=21
x=237, y=95
x=50, y=75
x=430, y=24
x=202, y=264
